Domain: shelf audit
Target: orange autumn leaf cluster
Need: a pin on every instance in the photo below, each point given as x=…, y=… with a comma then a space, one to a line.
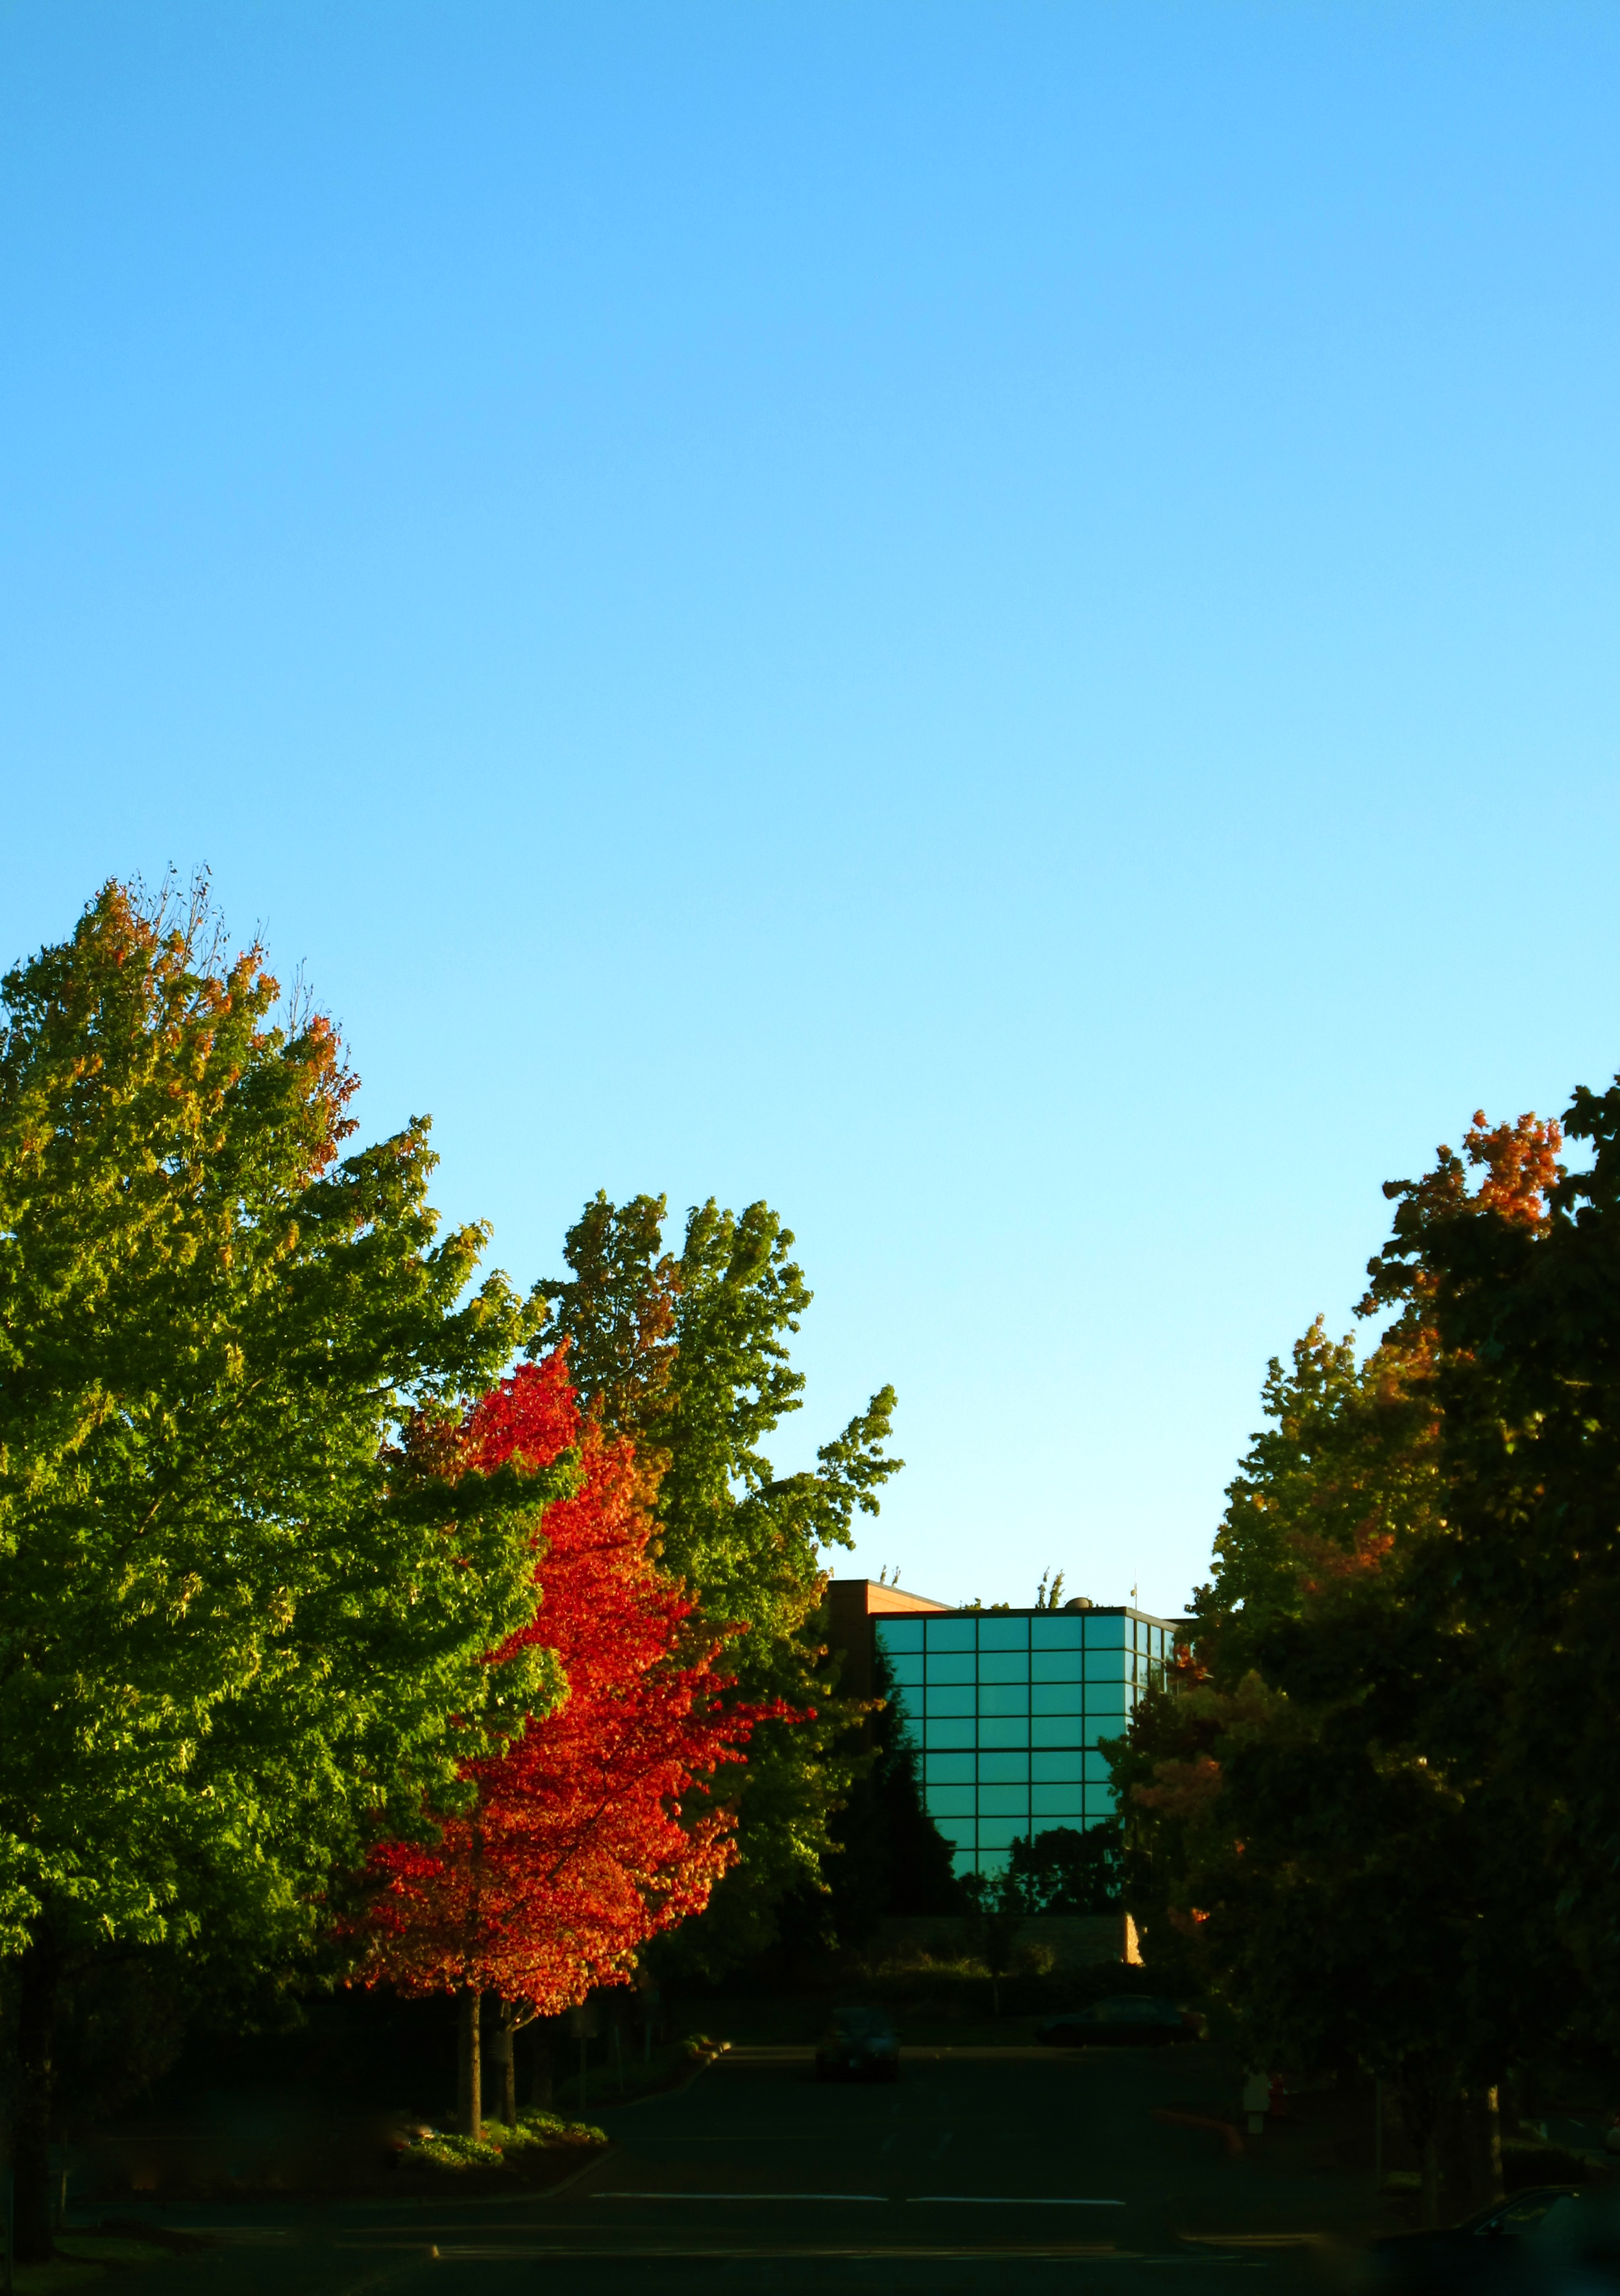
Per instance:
x=1323, y=1564
x=1521, y=1164
x=594, y=1831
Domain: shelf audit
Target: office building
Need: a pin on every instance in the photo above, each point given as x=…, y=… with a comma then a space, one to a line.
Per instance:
x=1008, y=1708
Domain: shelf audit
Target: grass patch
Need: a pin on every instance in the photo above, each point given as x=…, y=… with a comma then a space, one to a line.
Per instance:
x=437, y=2149
x=551, y=2129
x=500, y=2147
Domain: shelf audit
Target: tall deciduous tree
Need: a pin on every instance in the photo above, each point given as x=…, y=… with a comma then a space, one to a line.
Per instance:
x=591, y=1832
x=227, y=1643
x=1328, y=1794
x=1519, y=1279
x=690, y=1355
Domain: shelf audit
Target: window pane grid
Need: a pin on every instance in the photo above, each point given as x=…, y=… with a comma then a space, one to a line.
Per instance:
x=1008, y=1710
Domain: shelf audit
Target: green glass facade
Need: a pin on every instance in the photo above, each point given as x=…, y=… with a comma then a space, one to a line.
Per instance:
x=1008, y=1708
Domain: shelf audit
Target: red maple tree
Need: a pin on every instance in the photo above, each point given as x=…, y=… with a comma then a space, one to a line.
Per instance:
x=584, y=1842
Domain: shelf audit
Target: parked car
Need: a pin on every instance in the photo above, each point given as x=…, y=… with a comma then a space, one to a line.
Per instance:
x=1124, y=2018
x=859, y=2044
x=1544, y=2238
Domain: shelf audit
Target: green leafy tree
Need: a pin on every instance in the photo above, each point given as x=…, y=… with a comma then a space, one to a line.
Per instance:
x=229, y=1640
x=690, y=1355
x=1343, y=1896
x=1513, y=1262
x=1346, y=1467
x=1320, y=1803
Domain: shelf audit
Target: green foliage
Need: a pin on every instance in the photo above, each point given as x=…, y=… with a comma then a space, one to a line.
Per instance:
x=1347, y=1468
x=691, y=1357
x=1519, y=1279
x=535, y=2131
x=617, y=1312
x=229, y=1636
x=499, y=2146
x=434, y=2150
x=1358, y=1813
x=537, y=2128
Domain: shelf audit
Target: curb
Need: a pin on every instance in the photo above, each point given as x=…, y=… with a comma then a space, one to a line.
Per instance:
x=1227, y=2129
x=658, y=2095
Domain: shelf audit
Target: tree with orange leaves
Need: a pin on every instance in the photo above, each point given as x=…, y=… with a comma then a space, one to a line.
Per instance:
x=592, y=1831
x=688, y=1355
x=1521, y=1283
x=1344, y=1812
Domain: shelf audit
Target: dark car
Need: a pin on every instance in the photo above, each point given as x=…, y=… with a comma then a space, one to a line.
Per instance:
x=859, y=2044
x=1529, y=2240
x=1125, y=2018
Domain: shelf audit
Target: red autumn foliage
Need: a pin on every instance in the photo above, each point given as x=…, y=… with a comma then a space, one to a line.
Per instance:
x=584, y=1843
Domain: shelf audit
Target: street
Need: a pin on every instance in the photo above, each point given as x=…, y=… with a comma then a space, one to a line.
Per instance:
x=980, y=2170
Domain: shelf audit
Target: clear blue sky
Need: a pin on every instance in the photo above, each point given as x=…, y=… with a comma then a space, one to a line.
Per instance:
x=995, y=623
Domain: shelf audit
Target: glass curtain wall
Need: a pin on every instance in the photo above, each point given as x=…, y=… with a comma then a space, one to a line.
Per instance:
x=1008, y=1707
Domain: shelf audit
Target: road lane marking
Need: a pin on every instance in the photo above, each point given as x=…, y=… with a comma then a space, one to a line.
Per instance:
x=741, y=2196
x=1005, y=2200
x=1043, y=2253
x=230, y=2231
x=1259, y=2239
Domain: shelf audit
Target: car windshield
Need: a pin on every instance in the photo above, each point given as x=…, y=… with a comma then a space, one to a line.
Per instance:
x=1527, y=2213
x=861, y=2024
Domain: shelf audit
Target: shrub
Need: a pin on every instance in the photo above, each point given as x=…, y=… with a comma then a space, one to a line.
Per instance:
x=537, y=2128
x=434, y=2150
x=535, y=2132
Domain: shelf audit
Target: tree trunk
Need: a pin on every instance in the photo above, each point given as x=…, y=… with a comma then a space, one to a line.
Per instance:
x=507, y=2047
x=1469, y=2141
x=1431, y=2180
x=1490, y=2105
x=470, y=2099
x=35, y=2113
x=1377, y=2139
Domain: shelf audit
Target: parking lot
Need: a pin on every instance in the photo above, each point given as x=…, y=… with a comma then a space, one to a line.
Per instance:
x=980, y=2170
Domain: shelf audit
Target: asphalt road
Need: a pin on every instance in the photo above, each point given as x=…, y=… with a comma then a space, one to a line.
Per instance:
x=1000, y=2170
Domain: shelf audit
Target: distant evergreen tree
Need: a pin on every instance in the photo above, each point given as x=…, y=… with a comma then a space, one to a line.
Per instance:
x=1068, y=1871
x=890, y=1857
